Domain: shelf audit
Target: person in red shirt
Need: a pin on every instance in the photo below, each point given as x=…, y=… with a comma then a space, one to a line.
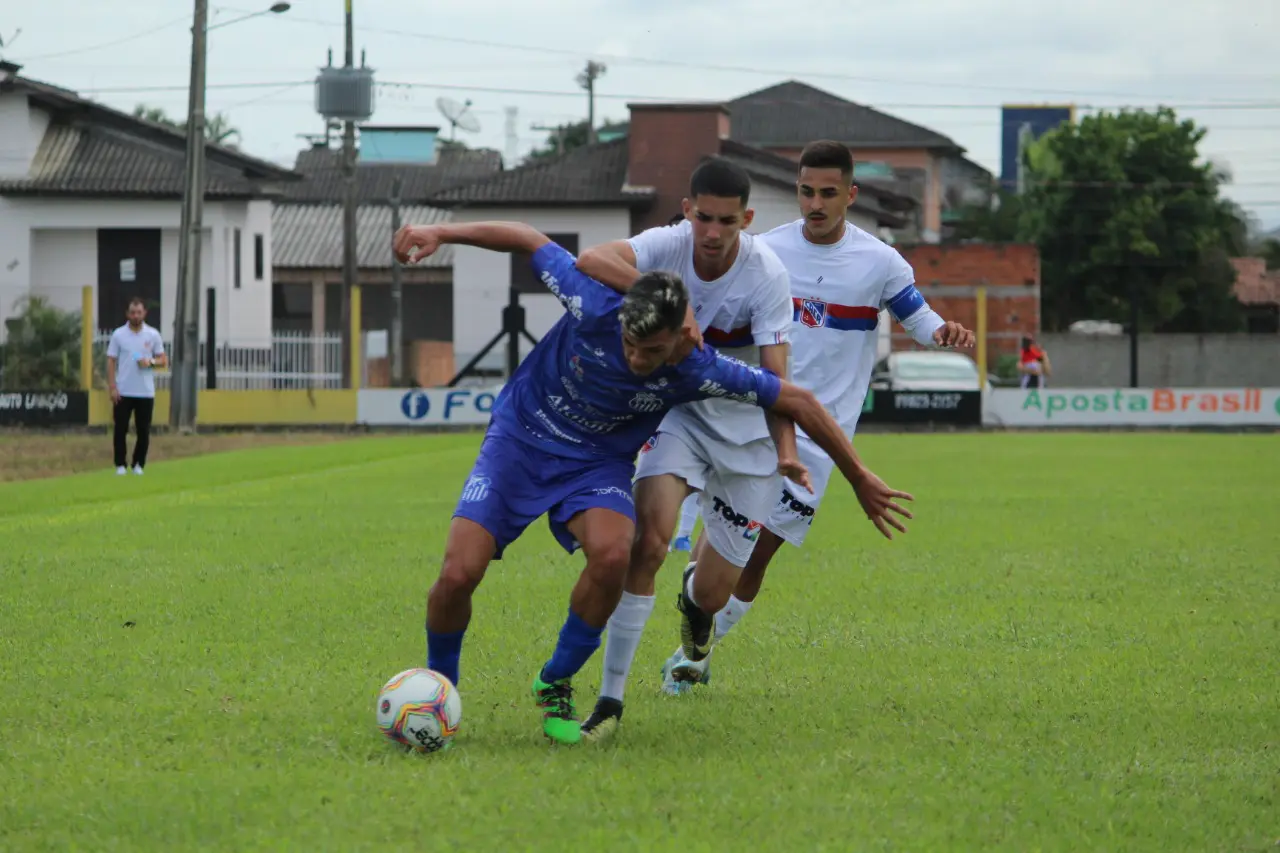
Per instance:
x=1033, y=364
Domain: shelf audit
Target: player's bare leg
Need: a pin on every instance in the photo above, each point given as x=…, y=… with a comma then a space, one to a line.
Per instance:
x=605, y=537
x=658, y=502
x=467, y=554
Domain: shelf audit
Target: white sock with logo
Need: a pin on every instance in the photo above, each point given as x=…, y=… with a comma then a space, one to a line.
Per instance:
x=727, y=618
x=625, y=628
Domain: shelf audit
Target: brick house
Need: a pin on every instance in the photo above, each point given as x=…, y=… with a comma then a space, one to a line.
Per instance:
x=921, y=162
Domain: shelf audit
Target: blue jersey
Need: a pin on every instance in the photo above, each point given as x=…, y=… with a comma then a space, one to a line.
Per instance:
x=574, y=392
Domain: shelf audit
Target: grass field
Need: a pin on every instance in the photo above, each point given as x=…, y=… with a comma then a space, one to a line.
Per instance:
x=1077, y=647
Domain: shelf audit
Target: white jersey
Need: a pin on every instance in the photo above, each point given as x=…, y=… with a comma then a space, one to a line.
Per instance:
x=746, y=308
x=838, y=292
x=126, y=347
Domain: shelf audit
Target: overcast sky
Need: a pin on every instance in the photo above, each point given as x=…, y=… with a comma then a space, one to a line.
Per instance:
x=944, y=64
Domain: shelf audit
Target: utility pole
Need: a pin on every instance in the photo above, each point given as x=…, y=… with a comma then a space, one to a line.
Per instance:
x=587, y=80
x=186, y=338
x=557, y=133
x=397, y=298
x=348, y=210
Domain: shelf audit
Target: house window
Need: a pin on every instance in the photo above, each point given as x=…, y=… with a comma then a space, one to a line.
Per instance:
x=259, y=257
x=522, y=277
x=235, y=263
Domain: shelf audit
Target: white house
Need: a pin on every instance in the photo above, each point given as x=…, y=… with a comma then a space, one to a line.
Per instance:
x=92, y=196
x=609, y=191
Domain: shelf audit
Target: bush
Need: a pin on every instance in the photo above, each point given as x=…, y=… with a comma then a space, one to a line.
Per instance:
x=42, y=348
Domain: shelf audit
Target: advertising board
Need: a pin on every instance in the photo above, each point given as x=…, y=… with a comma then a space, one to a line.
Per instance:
x=44, y=408
x=1136, y=407
x=425, y=406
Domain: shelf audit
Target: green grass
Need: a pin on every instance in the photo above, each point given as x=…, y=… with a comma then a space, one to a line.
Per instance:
x=1075, y=648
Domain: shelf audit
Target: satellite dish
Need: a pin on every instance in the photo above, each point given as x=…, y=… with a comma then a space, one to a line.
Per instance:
x=456, y=113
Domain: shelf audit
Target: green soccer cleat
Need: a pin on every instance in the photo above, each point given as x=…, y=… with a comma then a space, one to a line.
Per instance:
x=559, y=720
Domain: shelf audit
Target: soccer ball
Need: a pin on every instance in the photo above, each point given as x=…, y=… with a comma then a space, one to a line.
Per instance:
x=421, y=709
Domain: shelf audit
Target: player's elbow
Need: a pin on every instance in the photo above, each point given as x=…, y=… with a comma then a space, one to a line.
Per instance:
x=616, y=250
x=798, y=404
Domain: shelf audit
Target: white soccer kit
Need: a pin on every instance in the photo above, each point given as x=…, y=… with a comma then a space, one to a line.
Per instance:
x=838, y=292
x=721, y=447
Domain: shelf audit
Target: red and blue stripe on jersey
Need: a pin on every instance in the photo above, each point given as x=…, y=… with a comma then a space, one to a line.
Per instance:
x=817, y=313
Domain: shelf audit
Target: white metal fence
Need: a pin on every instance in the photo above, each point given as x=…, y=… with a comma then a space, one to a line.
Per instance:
x=287, y=360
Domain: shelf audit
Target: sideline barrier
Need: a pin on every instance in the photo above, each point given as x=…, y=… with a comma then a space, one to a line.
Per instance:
x=320, y=407
x=961, y=408
x=1134, y=407
x=44, y=408
x=425, y=406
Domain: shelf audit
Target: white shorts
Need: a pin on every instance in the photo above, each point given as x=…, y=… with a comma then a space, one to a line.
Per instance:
x=792, y=515
x=733, y=506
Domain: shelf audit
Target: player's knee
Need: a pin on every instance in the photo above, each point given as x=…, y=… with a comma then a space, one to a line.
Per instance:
x=648, y=550
x=609, y=563
x=458, y=577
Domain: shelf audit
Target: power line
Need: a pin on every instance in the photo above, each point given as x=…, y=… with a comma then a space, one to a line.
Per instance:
x=507, y=90
x=787, y=74
x=106, y=44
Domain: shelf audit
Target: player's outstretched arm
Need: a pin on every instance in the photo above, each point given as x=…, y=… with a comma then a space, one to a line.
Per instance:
x=412, y=243
x=877, y=499
x=613, y=264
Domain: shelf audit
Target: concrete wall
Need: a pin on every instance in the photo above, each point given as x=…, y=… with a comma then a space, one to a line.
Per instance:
x=1183, y=361
x=48, y=247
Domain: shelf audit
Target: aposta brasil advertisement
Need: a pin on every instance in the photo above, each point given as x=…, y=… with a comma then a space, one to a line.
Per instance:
x=1133, y=407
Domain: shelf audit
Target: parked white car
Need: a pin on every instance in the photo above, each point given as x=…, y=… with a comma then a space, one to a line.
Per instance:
x=927, y=371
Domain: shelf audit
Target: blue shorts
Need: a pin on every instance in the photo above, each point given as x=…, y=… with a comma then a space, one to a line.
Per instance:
x=512, y=484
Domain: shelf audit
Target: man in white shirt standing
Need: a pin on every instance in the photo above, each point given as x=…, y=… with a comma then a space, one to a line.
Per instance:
x=841, y=279
x=136, y=349
x=726, y=452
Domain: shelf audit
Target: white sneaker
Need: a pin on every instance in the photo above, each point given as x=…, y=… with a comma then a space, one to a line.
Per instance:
x=679, y=674
x=137, y=469
x=121, y=471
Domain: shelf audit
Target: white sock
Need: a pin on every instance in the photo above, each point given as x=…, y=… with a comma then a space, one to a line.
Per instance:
x=688, y=515
x=688, y=586
x=727, y=618
x=625, y=627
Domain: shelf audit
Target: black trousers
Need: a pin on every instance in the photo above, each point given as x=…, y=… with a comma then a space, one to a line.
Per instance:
x=140, y=408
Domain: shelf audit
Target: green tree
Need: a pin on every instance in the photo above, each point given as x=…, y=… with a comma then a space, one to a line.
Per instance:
x=217, y=127
x=1121, y=203
x=1270, y=249
x=997, y=222
x=42, y=349
x=566, y=137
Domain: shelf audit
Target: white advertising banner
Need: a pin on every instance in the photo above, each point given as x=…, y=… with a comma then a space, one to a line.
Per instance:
x=1169, y=407
x=425, y=406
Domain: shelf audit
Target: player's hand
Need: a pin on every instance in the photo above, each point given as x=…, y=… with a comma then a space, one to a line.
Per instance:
x=795, y=471
x=115, y=395
x=952, y=334
x=144, y=362
x=879, y=503
x=412, y=243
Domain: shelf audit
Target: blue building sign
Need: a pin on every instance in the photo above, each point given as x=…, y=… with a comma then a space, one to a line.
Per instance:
x=1022, y=125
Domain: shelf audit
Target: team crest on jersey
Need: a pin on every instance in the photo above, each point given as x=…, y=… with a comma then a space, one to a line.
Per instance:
x=813, y=313
x=575, y=364
x=645, y=402
x=650, y=444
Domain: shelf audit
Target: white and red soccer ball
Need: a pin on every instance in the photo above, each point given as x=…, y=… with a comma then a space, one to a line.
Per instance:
x=420, y=709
